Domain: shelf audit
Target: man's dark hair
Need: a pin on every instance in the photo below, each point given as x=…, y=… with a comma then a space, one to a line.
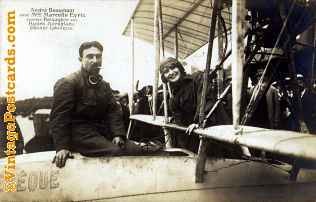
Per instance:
x=89, y=44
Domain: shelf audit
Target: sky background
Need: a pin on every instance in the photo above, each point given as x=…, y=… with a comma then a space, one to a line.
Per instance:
x=45, y=56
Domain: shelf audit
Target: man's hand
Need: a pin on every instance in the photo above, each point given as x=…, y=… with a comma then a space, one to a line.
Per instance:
x=61, y=157
x=118, y=141
x=190, y=128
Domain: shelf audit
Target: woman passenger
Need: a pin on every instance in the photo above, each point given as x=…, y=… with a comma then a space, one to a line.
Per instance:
x=184, y=103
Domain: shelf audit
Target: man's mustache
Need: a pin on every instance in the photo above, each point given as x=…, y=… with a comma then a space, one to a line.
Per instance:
x=97, y=65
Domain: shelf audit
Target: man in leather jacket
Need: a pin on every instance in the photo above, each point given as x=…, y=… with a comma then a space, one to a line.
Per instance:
x=85, y=117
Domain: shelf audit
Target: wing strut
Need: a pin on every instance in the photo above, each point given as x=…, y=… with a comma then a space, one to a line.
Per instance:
x=157, y=55
x=166, y=131
x=238, y=29
x=201, y=158
x=131, y=96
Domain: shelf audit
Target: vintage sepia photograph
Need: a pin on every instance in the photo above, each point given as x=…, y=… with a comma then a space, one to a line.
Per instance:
x=157, y=100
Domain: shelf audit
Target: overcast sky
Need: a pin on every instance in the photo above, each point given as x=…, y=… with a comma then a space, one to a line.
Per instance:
x=45, y=56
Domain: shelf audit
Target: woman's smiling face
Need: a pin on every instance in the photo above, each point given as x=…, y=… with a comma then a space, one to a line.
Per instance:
x=172, y=74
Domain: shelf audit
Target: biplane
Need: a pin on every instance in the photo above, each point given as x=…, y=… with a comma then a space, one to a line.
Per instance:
x=183, y=26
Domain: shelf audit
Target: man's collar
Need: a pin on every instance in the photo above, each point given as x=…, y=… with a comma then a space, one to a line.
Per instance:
x=89, y=80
